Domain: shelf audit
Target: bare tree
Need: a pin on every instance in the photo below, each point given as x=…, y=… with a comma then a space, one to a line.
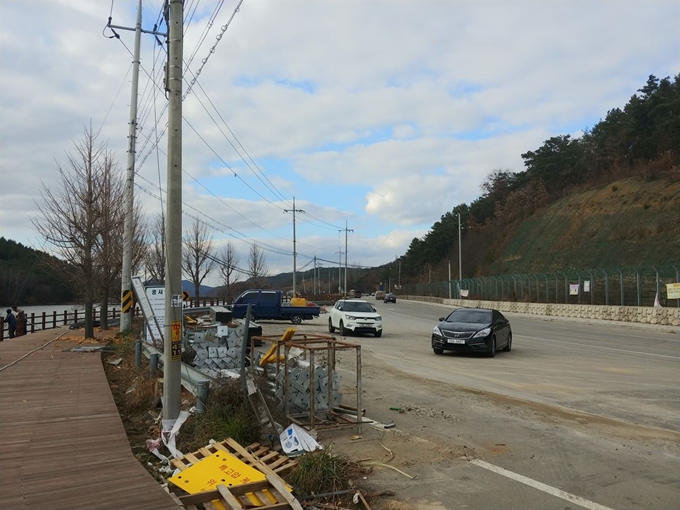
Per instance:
x=155, y=255
x=229, y=259
x=108, y=259
x=70, y=216
x=198, y=258
x=257, y=264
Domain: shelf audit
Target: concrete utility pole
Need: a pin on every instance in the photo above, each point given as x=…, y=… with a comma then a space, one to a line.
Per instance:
x=294, y=210
x=126, y=286
x=126, y=276
x=172, y=384
x=346, y=231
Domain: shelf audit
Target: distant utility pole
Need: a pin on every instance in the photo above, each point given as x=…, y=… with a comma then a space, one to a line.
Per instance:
x=346, y=230
x=399, y=280
x=294, y=210
x=172, y=384
x=126, y=275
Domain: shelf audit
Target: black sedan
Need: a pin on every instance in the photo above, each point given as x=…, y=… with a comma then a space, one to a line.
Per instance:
x=472, y=330
x=390, y=298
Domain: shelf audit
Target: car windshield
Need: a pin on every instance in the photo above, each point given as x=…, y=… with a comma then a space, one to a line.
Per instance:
x=470, y=316
x=354, y=306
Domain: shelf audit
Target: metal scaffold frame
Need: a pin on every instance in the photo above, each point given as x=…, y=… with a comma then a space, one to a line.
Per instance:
x=311, y=347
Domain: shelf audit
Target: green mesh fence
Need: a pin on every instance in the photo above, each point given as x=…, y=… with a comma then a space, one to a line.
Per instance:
x=619, y=286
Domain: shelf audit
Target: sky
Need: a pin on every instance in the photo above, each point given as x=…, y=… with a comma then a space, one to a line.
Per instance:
x=376, y=116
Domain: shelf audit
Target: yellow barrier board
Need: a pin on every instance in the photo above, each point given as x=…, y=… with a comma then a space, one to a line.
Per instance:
x=218, y=468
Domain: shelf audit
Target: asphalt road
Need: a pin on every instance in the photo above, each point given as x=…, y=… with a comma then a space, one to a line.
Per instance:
x=580, y=414
x=624, y=372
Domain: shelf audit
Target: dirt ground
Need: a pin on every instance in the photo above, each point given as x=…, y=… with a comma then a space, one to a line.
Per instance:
x=436, y=428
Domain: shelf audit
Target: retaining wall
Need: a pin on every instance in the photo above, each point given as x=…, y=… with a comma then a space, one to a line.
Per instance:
x=646, y=315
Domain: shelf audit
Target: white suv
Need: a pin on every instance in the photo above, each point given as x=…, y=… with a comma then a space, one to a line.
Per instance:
x=354, y=316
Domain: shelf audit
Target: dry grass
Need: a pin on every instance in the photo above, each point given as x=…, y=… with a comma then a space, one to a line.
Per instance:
x=322, y=471
x=227, y=414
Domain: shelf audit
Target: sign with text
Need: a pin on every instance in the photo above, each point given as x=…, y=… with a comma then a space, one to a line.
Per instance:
x=176, y=344
x=573, y=289
x=156, y=296
x=673, y=291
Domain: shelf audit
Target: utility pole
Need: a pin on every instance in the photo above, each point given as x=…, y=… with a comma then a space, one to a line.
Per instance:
x=294, y=210
x=460, y=260
x=399, y=280
x=172, y=384
x=126, y=286
x=346, y=231
x=126, y=273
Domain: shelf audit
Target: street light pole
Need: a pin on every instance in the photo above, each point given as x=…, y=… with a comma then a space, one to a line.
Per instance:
x=460, y=260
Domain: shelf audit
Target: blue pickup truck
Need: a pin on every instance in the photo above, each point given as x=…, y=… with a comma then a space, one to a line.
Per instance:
x=268, y=304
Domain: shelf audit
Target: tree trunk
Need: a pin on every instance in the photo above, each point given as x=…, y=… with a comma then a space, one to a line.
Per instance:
x=105, y=308
x=89, y=326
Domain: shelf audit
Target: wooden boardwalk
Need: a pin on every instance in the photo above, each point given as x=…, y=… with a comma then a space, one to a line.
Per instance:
x=62, y=443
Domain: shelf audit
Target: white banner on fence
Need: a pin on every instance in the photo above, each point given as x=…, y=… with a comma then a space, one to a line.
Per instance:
x=573, y=289
x=586, y=285
x=464, y=292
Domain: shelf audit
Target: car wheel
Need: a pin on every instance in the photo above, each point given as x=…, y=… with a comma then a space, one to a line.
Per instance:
x=438, y=351
x=378, y=333
x=345, y=332
x=331, y=329
x=296, y=319
x=492, y=348
x=509, y=346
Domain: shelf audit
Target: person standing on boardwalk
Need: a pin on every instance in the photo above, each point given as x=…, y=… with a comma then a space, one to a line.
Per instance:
x=11, y=322
x=21, y=321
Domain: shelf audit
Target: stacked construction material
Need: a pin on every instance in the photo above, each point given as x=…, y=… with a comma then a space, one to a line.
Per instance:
x=300, y=387
x=218, y=350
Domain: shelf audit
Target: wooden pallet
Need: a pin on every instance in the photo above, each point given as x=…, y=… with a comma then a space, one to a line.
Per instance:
x=236, y=498
x=260, y=457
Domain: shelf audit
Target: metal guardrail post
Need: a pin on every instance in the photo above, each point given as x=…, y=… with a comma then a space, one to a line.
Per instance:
x=621, y=282
x=138, y=352
x=202, y=395
x=153, y=363
x=639, y=297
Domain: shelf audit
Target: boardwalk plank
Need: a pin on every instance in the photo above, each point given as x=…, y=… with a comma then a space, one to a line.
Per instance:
x=62, y=443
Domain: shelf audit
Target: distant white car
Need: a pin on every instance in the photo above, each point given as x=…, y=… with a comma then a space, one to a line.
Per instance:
x=354, y=316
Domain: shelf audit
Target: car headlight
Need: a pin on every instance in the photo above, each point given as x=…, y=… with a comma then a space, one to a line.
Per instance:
x=350, y=317
x=483, y=332
x=378, y=318
x=437, y=331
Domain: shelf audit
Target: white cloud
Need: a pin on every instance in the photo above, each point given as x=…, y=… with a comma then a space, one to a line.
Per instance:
x=383, y=114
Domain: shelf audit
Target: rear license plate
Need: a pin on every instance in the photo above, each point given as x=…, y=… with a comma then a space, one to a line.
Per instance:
x=456, y=341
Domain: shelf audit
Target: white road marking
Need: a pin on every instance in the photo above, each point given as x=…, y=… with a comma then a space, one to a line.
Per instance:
x=585, y=346
x=559, y=493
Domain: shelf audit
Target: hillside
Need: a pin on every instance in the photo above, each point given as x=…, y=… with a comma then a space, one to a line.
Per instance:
x=27, y=279
x=629, y=222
